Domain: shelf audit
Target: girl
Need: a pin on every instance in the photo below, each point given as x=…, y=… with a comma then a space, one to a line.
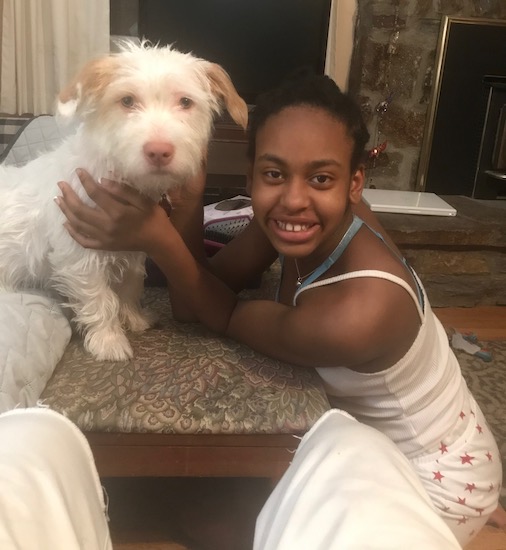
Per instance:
x=348, y=304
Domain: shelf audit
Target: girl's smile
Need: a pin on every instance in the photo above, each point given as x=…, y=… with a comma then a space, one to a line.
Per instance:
x=292, y=231
x=296, y=228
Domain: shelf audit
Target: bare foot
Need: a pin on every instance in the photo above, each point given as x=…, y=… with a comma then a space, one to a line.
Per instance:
x=498, y=518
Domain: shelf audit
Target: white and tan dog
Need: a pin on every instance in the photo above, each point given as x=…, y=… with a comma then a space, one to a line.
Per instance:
x=146, y=116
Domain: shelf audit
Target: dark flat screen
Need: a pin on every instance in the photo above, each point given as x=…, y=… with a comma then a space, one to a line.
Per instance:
x=258, y=42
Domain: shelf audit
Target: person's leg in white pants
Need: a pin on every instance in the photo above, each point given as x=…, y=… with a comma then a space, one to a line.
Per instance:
x=349, y=487
x=50, y=493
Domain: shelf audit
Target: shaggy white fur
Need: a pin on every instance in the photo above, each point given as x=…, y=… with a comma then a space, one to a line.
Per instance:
x=146, y=116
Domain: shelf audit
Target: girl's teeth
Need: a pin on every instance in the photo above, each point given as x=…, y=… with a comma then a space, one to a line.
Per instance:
x=292, y=227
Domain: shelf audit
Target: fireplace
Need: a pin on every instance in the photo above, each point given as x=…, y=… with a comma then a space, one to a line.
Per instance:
x=464, y=146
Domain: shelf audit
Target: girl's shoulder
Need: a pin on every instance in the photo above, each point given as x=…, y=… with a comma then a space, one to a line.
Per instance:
x=371, y=320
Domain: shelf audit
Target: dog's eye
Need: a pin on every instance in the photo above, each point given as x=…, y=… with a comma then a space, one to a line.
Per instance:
x=185, y=102
x=128, y=101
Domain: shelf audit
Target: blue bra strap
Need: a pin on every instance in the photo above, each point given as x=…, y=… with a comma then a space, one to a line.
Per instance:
x=352, y=230
x=402, y=259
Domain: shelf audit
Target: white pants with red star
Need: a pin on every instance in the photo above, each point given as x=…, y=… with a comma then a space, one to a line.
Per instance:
x=349, y=487
x=50, y=497
x=464, y=478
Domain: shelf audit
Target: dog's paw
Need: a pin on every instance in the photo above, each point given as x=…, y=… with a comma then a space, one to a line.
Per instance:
x=108, y=345
x=138, y=320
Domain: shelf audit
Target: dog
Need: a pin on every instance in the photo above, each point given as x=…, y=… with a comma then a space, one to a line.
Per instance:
x=145, y=116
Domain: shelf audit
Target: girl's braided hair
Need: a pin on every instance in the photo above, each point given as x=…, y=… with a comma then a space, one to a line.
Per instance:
x=320, y=91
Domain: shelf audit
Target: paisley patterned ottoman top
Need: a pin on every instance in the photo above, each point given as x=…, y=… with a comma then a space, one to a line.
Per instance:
x=184, y=380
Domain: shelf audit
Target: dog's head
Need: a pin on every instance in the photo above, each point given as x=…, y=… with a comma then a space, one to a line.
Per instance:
x=149, y=111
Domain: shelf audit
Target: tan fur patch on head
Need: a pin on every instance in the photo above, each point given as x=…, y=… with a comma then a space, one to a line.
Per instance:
x=222, y=87
x=91, y=81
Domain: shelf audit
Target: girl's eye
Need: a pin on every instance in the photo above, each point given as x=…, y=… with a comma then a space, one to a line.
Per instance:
x=321, y=179
x=185, y=102
x=128, y=101
x=273, y=174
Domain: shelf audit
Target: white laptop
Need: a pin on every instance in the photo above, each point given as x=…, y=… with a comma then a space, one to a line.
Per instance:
x=407, y=202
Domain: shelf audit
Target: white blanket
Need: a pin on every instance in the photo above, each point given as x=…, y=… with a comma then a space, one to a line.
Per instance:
x=33, y=330
x=33, y=336
x=37, y=136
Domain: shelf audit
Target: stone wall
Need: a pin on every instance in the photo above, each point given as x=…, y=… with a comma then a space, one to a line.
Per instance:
x=461, y=260
x=461, y=278
x=391, y=74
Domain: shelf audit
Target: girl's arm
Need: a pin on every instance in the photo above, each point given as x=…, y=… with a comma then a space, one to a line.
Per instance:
x=187, y=213
x=241, y=261
x=329, y=326
x=122, y=219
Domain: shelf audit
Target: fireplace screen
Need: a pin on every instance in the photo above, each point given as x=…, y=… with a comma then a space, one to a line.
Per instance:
x=463, y=150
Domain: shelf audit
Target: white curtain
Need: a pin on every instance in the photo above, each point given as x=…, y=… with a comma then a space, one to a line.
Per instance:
x=340, y=41
x=43, y=44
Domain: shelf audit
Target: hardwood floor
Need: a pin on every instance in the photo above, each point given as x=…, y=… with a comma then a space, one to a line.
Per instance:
x=184, y=513
x=487, y=322
x=219, y=514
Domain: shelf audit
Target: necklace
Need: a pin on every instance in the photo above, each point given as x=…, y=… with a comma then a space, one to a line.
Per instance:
x=302, y=278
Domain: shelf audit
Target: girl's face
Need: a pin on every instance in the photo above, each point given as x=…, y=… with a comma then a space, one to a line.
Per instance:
x=301, y=184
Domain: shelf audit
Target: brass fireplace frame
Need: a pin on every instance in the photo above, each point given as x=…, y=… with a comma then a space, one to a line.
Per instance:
x=447, y=23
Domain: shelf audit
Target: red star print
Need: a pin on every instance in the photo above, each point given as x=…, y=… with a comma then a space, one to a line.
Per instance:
x=479, y=428
x=470, y=487
x=438, y=475
x=462, y=415
x=443, y=448
x=480, y=510
x=462, y=520
x=466, y=459
x=461, y=500
x=489, y=456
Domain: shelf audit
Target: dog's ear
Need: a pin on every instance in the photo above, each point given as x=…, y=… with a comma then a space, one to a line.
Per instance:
x=222, y=87
x=87, y=85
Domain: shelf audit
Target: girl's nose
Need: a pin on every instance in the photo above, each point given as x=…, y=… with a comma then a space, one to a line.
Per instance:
x=295, y=195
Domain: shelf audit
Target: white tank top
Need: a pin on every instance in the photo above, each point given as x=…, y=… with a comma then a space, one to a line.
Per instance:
x=416, y=401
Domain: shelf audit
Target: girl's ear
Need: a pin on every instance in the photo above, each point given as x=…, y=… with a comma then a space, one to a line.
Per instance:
x=357, y=185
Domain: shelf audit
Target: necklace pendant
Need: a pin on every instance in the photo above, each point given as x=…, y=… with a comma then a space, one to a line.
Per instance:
x=299, y=282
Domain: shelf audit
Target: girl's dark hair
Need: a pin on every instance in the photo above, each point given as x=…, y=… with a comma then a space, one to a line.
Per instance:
x=307, y=88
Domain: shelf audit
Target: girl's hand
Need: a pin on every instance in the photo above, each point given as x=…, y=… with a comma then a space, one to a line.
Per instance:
x=122, y=219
